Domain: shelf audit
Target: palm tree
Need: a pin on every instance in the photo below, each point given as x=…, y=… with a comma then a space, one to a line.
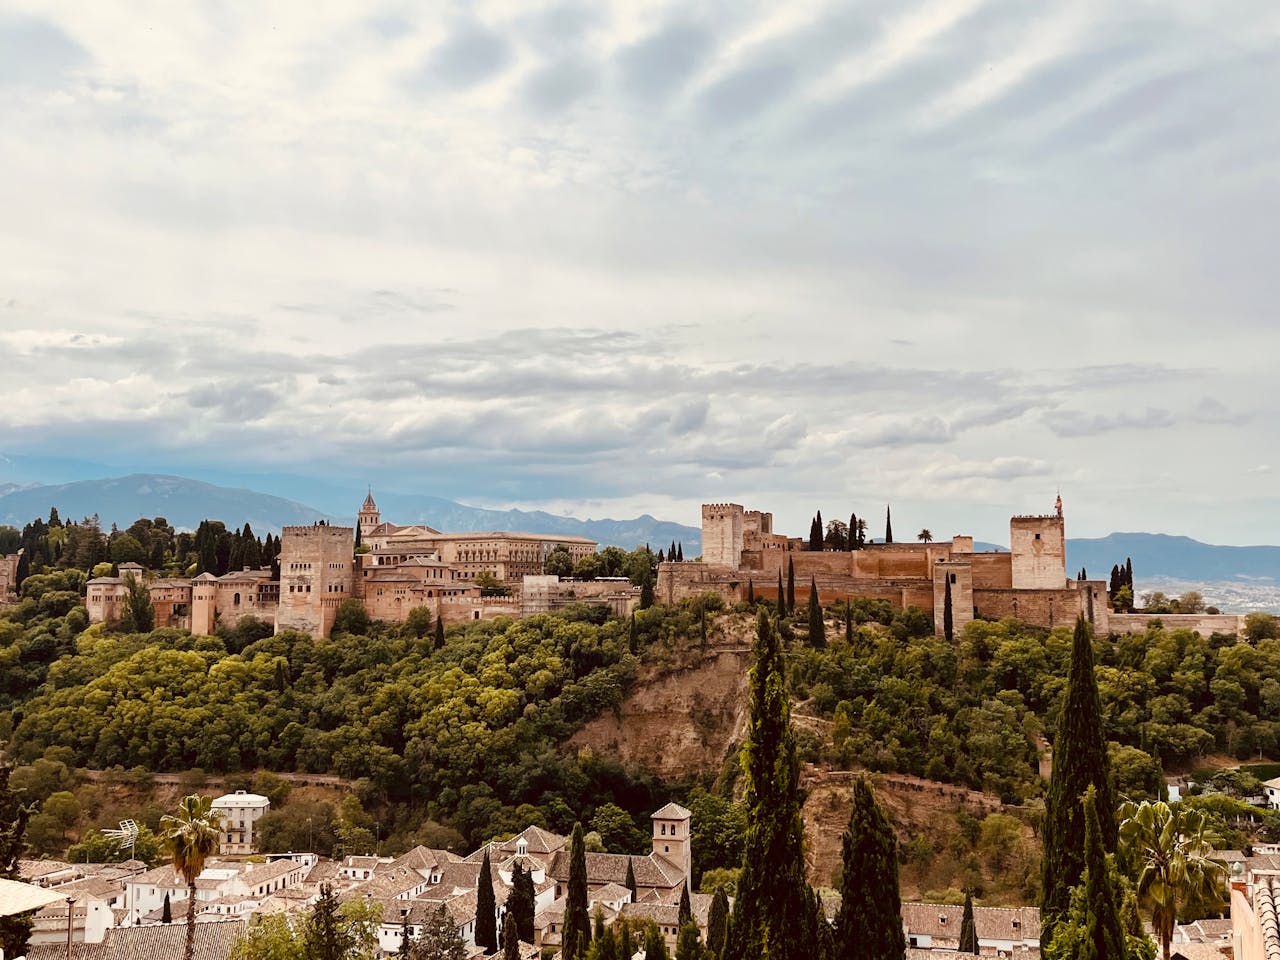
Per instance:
x=1168, y=849
x=190, y=838
x=925, y=535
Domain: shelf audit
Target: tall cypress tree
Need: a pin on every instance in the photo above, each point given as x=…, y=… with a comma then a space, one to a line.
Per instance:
x=854, y=540
x=576, y=936
x=510, y=939
x=440, y=631
x=680, y=552
x=791, y=586
x=1103, y=931
x=968, y=928
x=817, y=625
x=655, y=945
x=848, y=620
x=646, y=592
x=686, y=908
x=633, y=640
x=869, y=923
x=520, y=903
x=782, y=597
x=166, y=911
x=14, y=930
x=1079, y=761
x=717, y=922
x=751, y=592
x=770, y=916
x=948, y=617
x=815, y=534
x=888, y=525
x=1128, y=572
x=630, y=882
x=486, y=912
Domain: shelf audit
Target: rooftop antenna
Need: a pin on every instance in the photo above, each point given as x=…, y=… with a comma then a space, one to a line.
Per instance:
x=126, y=836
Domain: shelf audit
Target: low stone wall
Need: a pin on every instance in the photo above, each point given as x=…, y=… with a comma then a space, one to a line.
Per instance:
x=1201, y=623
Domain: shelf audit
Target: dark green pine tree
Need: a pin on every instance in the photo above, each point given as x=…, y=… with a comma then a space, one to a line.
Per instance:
x=671, y=554
x=510, y=939
x=626, y=942
x=869, y=923
x=948, y=614
x=630, y=882
x=166, y=912
x=661, y=556
x=646, y=592
x=440, y=631
x=968, y=929
x=848, y=620
x=717, y=922
x=520, y=903
x=791, y=586
x=680, y=552
x=689, y=944
x=325, y=936
x=854, y=541
x=14, y=930
x=771, y=913
x=888, y=526
x=817, y=624
x=751, y=592
x=1103, y=930
x=486, y=910
x=633, y=641
x=782, y=597
x=1114, y=583
x=655, y=944
x=357, y=536
x=815, y=534
x=1128, y=572
x=822, y=935
x=1079, y=761
x=686, y=908
x=576, y=932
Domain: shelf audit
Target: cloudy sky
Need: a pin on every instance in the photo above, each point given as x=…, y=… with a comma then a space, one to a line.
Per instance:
x=605, y=259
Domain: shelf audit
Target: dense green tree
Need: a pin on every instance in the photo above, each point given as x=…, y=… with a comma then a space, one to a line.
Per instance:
x=520, y=902
x=486, y=908
x=689, y=943
x=717, y=922
x=559, y=562
x=190, y=838
x=1103, y=933
x=351, y=617
x=782, y=597
x=791, y=586
x=817, y=624
x=439, y=939
x=655, y=944
x=268, y=937
x=869, y=923
x=855, y=536
x=630, y=882
x=1080, y=760
x=770, y=913
x=14, y=814
x=576, y=932
x=510, y=939
x=139, y=615
x=686, y=907
x=439, y=645
x=618, y=831
x=646, y=593
x=968, y=929
x=418, y=622
x=815, y=534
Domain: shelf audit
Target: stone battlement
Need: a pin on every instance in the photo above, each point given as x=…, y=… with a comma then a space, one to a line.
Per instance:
x=317, y=530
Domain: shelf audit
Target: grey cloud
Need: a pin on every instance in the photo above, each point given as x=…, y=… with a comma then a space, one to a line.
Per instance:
x=35, y=52
x=910, y=432
x=1076, y=423
x=472, y=54
x=558, y=85
x=1001, y=468
x=240, y=402
x=1212, y=411
x=741, y=95
x=659, y=64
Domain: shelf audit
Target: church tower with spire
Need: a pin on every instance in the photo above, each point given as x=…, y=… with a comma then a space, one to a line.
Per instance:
x=369, y=515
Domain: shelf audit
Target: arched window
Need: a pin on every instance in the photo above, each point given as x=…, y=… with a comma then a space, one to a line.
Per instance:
x=235, y=601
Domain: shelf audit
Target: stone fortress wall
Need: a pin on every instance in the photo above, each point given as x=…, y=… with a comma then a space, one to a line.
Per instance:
x=1029, y=582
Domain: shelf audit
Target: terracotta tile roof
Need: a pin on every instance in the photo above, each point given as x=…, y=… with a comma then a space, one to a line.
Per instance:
x=1265, y=893
x=213, y=941
x=942, y=921
x=650, y=871
x=424, y=858
x=672, y=811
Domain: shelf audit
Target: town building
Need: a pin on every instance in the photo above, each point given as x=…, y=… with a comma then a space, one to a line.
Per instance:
x=239, y=812
x=1002, y=931
x=9, y=575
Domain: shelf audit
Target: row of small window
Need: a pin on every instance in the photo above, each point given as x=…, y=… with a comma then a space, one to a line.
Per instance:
x=300, y=589
x=299, y=566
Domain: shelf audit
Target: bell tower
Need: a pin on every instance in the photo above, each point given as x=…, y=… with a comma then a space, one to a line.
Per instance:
x=369, y=515
x=671, y=839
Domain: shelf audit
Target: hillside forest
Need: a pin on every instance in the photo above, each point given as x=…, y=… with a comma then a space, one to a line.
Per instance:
x=452, y=742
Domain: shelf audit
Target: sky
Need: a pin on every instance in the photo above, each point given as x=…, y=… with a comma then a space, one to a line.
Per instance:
x=605, y=259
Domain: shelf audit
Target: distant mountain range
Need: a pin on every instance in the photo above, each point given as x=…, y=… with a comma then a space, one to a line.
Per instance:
x=185, y=502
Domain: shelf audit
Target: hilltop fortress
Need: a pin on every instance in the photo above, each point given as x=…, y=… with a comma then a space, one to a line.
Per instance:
x=394, y=570
x=742, y=556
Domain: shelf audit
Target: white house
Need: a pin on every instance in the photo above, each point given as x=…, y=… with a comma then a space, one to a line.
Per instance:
x=1271, y=790
x=239, y=812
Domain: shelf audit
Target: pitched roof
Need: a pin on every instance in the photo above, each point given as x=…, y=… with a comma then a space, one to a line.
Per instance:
x=213, y=941
x=672, y=811
x=942, y=920
x=650, y=871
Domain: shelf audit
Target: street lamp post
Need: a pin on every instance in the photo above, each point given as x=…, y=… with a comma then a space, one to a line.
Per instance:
x=71, y=904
